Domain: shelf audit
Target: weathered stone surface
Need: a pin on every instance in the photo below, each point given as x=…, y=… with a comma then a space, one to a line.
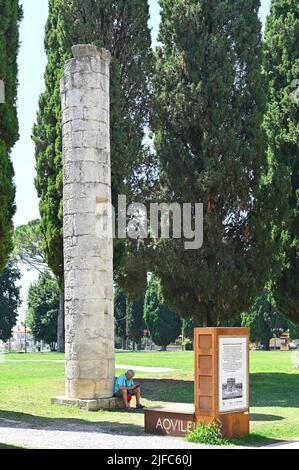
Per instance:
x=89, y=50
x=90, y=405
x=87, y=172
x=88, y=243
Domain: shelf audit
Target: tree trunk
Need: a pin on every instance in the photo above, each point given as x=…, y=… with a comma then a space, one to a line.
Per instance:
x=124, y=343
x=60, y=326
x=163, y=348
x=207, y=323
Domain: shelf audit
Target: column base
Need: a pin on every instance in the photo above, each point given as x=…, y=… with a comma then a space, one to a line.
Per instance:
x=90, y=405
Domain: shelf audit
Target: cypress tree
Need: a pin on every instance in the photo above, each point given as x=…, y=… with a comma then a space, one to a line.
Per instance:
x=10, y=16
x=135, y=322
x=164, y=325
x=122, y=28
x=281, y=66
x=10, y=299
x=209, y=107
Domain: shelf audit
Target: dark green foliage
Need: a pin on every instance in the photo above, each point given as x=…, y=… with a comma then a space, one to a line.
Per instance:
x=122, y=28
x=164, y=325
x=135, y=323
x=120, y=315
x=188, y=328
x=294, y=330
x=43, y=305
x=209, y=107
x=264, y=321
x=10, y=16
x=9, y=300
x=281, y=66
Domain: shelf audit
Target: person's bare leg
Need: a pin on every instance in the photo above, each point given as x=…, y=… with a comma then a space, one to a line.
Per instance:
x=138, y=396
x=125, y=398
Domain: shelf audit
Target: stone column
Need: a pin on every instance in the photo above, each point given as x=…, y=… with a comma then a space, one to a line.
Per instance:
x=88, y=241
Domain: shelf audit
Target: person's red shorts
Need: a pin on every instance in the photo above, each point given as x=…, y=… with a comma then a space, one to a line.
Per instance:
x=129, y=395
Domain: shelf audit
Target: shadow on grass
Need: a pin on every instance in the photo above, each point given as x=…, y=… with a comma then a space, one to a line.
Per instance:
x=266, y=390
x=28, y=421
x=264, y=417
x=168, y=390
x=274, y=390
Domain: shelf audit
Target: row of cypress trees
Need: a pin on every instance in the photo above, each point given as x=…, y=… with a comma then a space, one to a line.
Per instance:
x=148, y=313
x=226, y=134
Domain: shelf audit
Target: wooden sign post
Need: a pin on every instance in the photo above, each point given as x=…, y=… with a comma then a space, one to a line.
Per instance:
x=222, y=378
x=221, y=387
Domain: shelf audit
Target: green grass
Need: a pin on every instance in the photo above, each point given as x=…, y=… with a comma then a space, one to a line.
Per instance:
x=26, y=388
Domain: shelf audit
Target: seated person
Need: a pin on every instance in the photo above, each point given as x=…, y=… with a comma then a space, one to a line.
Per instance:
x=126, y=389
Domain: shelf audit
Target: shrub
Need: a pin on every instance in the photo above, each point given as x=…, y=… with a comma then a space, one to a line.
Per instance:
x=206, y=433
x=188, y=345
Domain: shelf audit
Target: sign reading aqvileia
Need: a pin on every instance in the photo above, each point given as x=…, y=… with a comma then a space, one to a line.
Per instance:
x=2, y=92
x=233, y=374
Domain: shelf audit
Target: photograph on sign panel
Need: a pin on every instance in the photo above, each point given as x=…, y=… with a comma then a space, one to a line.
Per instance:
x=231, y=389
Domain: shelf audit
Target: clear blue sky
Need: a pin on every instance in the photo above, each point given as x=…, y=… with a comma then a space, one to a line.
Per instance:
x=32, y=62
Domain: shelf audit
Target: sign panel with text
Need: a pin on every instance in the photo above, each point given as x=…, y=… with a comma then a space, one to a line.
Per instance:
x=233, y=374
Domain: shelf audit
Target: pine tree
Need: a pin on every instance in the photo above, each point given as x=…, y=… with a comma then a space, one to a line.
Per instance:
x=281, y=66
x=9, y=300
x=122, y=28
x=10, y=16
x=135, y=322
x=209, y=107
x=164, y=325
x=28, y=248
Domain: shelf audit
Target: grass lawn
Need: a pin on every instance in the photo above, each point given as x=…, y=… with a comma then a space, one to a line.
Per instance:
x=27, y=385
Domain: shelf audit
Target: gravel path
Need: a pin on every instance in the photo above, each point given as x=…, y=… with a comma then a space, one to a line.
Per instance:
x=81, y=437
x=88, y=436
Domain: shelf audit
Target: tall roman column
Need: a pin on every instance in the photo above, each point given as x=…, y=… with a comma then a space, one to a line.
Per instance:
x=88, y=241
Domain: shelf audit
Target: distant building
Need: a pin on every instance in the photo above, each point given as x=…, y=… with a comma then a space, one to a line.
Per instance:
x=20, y=338
x=285, y=341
